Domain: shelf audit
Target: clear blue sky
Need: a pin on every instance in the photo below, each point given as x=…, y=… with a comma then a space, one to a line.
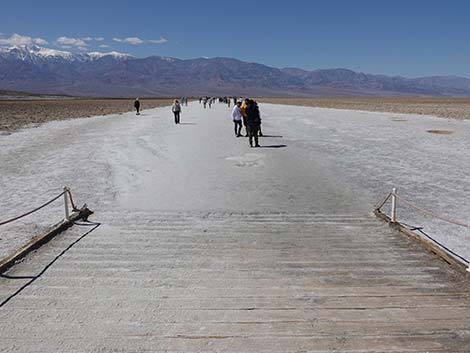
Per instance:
x=410, y=38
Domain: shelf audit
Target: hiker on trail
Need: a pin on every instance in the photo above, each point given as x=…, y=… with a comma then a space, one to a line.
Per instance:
x=137, y=106
x=253, y=122
x=243, y=111
x=237, y=119
x=176, y=109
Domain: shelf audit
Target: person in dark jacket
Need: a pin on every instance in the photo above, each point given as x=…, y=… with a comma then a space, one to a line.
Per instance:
x=137, y=106
x=253, y=122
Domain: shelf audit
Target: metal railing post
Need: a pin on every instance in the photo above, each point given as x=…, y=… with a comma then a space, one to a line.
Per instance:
x=393, y=213
x=66, y=203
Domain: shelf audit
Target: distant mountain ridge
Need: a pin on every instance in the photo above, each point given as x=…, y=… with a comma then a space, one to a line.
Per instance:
x=38, y=70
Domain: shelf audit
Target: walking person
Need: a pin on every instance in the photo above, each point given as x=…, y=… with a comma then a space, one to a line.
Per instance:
x=243, y=110
x=237, y=119
x=176, y=109
x=137, y=106
x=204, y=102
x=253, y=122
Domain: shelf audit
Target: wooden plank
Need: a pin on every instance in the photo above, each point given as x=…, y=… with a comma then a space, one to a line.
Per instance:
x=429, y=245
x=42, y=238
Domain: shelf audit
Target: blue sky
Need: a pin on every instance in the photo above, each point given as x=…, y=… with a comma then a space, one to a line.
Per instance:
x=409, y=38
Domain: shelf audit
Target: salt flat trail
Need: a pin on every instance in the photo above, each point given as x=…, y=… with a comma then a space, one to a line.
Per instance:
x=207, y=245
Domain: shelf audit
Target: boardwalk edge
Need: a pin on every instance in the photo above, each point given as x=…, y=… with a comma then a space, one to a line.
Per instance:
x=43, y=238
x=429, y=245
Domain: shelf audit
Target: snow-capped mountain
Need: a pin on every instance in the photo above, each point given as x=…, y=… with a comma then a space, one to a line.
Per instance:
x=41, y=70
x=114, y=54
x=33, y=53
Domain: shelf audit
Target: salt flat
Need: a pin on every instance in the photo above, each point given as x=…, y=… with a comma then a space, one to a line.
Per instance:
x=209, y=245
x=335, y=161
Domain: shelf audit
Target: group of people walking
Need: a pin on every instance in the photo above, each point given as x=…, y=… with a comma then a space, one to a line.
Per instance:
x=245, y=113
x=208, y=101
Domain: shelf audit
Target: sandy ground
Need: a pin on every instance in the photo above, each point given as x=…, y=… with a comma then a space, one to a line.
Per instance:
x=450, y=108
x=15, y=114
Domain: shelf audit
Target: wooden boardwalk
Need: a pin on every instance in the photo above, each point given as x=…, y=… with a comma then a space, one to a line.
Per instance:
x=232, y=282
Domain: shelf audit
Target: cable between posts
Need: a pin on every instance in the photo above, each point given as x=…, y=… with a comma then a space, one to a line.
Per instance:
x=432, y=214
x=38, y=208
x=420, y=229
x=74, y=208
x=380, y=205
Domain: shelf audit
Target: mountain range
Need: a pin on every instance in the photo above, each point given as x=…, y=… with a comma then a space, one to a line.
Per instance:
x=42, y=70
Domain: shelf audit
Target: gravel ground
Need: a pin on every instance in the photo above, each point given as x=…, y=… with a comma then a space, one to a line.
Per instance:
x=16, y=114
x=450, y=108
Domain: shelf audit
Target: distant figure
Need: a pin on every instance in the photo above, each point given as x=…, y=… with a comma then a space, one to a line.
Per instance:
x=237, y=119
x=210, y=103
x=200, y=100
x=228, y=101
x=176, y=109
x=204, y=101
x=137, y=106
x=253, y=122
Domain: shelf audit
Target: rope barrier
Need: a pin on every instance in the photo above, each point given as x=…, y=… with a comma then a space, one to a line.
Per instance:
x=395, y=196
x=74, y=208
x=384, y=201
x=422, y=210
x=36, y=209
x=432, y=214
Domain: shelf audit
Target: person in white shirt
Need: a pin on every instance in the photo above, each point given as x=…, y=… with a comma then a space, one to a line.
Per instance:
x=176, y=109
x=237, y=119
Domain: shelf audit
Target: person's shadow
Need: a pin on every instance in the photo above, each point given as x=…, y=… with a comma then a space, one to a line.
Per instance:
x=273, y=146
